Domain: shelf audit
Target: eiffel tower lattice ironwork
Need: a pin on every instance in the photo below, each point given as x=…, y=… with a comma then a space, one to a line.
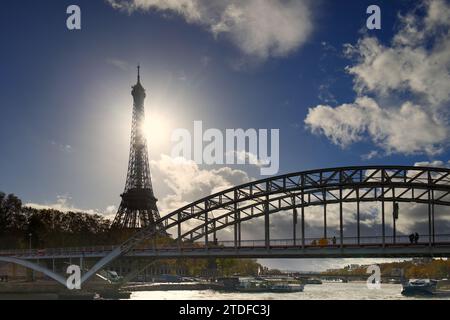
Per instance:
x=138, y=207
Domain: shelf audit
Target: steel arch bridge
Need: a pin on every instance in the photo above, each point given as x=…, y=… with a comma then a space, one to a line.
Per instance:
x=195, y=223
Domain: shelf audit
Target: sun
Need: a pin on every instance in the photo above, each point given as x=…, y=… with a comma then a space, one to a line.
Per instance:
x=156, y=129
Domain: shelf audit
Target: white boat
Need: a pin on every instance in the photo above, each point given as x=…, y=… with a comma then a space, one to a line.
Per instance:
x=286, y=287
x=419, y=287
x=312, y=281
x=251, y=285
x=268, y=285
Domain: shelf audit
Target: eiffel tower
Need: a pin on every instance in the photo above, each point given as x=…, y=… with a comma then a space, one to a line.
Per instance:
x=138, y=206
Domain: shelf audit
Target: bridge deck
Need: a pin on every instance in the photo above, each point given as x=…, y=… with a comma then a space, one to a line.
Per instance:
x=441, y=249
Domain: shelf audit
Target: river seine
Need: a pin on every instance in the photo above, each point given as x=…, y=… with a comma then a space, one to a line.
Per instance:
x=325, y=291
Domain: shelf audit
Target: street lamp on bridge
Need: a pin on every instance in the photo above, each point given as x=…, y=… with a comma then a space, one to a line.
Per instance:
x=395, y=216
x=29, y=240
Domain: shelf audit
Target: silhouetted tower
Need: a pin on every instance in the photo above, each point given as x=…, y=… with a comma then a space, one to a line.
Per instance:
x=138, y=207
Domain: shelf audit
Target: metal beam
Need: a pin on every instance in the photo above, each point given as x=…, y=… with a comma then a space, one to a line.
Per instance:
x=325, y=214
x=432, y=216
x=303, y=219
x=267, y=226
x=267, y=219
x=294, y=222
x=341, y=220
x=383, y=227
x=429, y=219
x=235, y=219
x=358, y=218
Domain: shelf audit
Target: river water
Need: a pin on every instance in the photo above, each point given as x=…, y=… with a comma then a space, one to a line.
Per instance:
x=325, y=291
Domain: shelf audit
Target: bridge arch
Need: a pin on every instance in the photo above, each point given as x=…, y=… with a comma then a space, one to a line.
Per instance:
x=300, y=200
x=33, y=266
x=294, y=191
x=426, y=185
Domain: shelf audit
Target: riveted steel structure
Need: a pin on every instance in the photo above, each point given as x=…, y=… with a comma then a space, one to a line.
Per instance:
x=297, y=191
x=197, y=225
x=138, y=207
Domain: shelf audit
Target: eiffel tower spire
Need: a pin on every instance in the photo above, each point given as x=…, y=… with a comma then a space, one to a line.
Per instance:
x=138, y=207
x=139, y=74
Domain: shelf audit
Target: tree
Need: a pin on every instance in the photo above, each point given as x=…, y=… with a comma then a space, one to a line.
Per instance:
x=10, y=212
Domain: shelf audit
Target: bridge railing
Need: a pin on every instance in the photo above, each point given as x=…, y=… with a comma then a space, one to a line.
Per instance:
x=400, y=240
x=321, y=242
x=57, y=251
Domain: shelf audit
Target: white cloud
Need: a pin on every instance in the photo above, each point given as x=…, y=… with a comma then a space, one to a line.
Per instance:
x=370, y=155
x=325, y=95
x=66, y=148
x=120, y=64
x=111, y=209
x=434, y=163
x=248, y=157
x=343, y=125
x=405, y=129
x=110, y=212
x=259, y=28
x=188, y=182
x=63, y=203
x=403, y=90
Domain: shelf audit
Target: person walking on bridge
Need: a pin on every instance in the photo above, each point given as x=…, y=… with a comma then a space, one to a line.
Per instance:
x=416, y=238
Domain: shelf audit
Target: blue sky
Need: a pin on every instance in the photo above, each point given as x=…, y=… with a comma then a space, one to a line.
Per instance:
x=65, y=98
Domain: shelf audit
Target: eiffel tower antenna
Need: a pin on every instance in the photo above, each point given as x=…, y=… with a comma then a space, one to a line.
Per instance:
x=139, y=73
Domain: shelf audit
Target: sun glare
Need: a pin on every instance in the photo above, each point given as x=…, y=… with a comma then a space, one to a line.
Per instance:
x=156, y=129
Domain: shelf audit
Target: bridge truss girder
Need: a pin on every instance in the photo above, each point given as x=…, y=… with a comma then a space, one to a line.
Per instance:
x=313, y=188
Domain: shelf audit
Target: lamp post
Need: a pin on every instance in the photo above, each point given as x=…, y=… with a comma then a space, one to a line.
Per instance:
x=29, y=240
x=395, y=216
